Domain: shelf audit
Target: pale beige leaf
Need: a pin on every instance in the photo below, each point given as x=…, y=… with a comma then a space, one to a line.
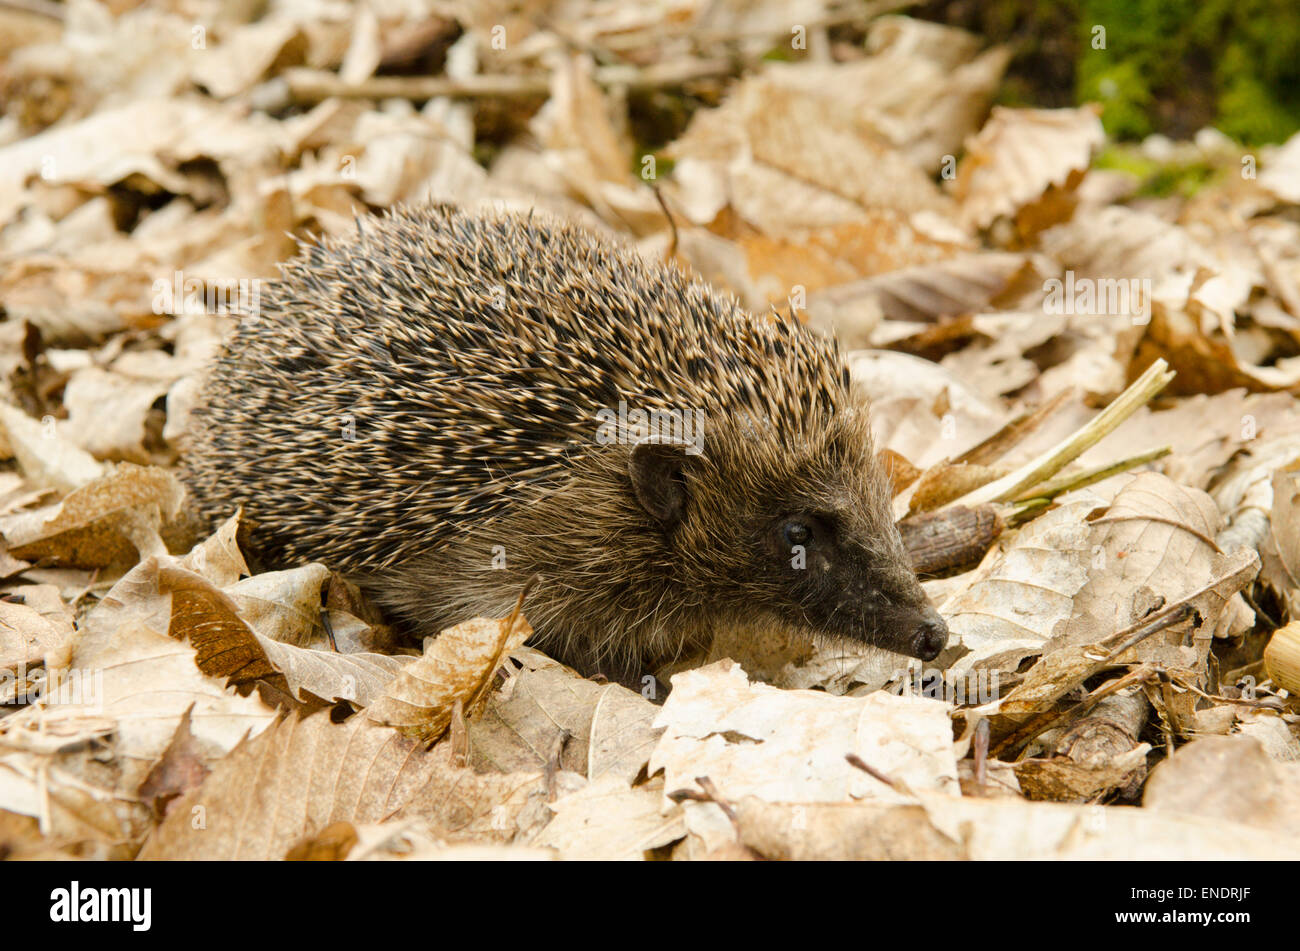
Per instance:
x=945, y=827
x=218, y=558
x=1019, y=154
x=924, y=293
x=108, y=413
x=1228, y=778
x=1281, y=172
x=606, y=728
x=609, y=820
x=790, y=745
x=292, y=781
x=46, y=458
x=114, y=519
x=459, y=664
x=282, y=605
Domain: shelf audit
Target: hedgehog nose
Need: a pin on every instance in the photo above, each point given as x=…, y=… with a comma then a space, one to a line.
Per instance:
x=931, y=637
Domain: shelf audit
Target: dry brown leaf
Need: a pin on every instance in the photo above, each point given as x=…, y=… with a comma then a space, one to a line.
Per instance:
x=180, y=769
x=609, y=820
x=1079, y=574
x=32, y=644
x=109, y=414
x=548, y=712
x=113, y=520
x=459, y=664
x=1118, y=242
x=922, y=293
x=46, y=458
x=1281, y=553
x=228, y=646
x=991, y=829
x=283, y=605
x=1061, y=779
x=790, y=745
x=1228, y=778
x=1019, y=154
x=218, y=558
x=294, y=780
x=244, y=55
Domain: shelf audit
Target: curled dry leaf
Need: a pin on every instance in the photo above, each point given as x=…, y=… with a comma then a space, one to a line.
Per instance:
x=228, y=646
x=283, y=605
x=923, y=88
x=245, y=54
x=218, y=558
x=1079, y=574
x=922, y=293
x=1119, y=242
x=113, y=520
x=549, y=711
x=293, y=781
x=1063, y=668
x=45, y=457
x=109, y=414
x=459, y=664
x=180, y=769
x=32, y=643
x=1019, y=154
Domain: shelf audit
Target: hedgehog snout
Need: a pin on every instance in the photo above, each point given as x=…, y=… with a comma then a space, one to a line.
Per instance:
x=931, y=636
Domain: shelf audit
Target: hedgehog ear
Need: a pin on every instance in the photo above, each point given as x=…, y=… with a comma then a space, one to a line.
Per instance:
x=656, y=471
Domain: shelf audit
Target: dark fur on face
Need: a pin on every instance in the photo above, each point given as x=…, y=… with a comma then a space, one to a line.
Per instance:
x=419, y=406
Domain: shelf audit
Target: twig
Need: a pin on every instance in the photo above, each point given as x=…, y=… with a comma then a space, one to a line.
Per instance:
x=981, y=752
x=1046, y=721
x=1061, y=455
x=857, y=761
x=672, y=225
x=1115, y=645
x=1167, y=721
x=1078, y=480
x=1175, y=614
x=40, y=8
x=314, y=85
x=710, y=794
x=1013, y=433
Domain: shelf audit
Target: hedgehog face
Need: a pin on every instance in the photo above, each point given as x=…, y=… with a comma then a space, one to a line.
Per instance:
x=803, y=535
x=830, y=572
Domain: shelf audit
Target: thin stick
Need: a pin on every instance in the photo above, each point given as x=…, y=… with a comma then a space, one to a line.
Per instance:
x=659, y=197
x=1078, y=480
x=981, y=752
x=1046, y=721
x=1115, y=645
x=314, y=85
x=40, y=8
x=858, y=762
x=1061, y=455
x=1013, y=433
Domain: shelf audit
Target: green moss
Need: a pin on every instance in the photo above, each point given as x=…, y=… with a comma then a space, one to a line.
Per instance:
x=1177, y=65
x=1249, y=110
x=1124, y=94
x=1169, y=66
x=1157, y=179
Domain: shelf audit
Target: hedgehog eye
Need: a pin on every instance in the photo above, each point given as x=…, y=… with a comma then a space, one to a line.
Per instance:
x=797, y=533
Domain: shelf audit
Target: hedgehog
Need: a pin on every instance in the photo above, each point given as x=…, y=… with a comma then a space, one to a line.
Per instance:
x=447, y=403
